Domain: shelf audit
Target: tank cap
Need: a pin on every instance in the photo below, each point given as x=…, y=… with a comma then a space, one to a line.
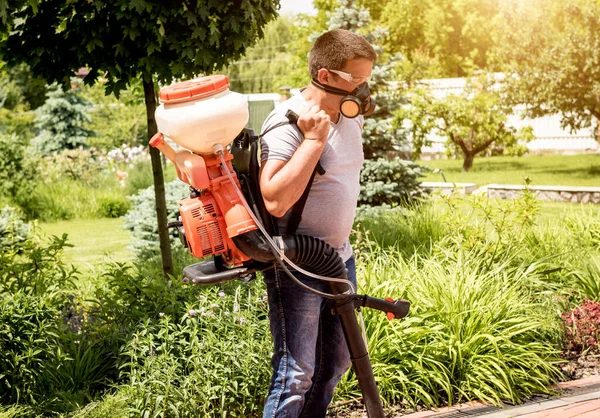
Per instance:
x=195, y=89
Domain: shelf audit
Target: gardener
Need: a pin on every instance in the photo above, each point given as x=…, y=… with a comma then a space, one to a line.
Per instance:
x=310, y=353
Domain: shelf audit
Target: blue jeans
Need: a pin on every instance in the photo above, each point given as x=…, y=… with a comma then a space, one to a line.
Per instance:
x=310, y=351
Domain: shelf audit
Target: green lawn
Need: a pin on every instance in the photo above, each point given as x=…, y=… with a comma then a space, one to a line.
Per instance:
x=95, y=241
x=560, y=170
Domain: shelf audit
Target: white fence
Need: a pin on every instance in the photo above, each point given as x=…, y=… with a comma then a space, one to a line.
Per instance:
x=549, y=136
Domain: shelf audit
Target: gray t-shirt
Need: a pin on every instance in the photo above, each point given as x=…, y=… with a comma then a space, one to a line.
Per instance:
x=331, y=204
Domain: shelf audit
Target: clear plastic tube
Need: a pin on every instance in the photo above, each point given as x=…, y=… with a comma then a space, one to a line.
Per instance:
x=218, y=149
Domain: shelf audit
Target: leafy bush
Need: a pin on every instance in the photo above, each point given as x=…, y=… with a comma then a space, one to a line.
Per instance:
x=14, y=232
x=79, y=164
x=113, y=206
x=410, y=230
x=390, y=182
x=141, y=219
x=582, y=328
x=210, y=361
x=62, y=122
x=116, y=121
x=18, y=173
x=17, y=123
x=473, y=331
x=33, y=290
x=29, y=342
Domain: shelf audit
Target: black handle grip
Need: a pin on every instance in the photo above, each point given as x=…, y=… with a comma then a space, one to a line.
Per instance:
x=399, y=308
x=292, y=117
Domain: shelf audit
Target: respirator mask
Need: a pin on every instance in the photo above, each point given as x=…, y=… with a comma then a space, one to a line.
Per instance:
x=355, y=102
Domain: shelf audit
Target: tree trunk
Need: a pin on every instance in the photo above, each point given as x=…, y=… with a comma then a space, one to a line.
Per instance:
x=467, y=161
x=159, y=182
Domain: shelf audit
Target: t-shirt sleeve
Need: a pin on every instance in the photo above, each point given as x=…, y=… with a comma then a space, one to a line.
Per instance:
x=280, y=143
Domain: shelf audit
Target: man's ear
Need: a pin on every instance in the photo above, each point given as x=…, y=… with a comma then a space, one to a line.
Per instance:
x=323, y=76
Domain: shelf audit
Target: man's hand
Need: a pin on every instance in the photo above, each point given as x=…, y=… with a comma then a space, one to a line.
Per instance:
x=314, y=124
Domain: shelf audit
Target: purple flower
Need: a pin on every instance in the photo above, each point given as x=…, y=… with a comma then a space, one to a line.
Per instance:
x=222, y=294
x=192, y=312
x=185, y=280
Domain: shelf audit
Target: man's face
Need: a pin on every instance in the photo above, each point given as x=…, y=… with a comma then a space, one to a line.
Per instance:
x=354, y=73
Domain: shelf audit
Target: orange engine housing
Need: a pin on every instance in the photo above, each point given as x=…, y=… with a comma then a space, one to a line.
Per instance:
x=204, y=226
x=218, y=214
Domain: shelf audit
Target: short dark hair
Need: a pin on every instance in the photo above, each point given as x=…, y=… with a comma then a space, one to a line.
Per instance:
x=334, y=48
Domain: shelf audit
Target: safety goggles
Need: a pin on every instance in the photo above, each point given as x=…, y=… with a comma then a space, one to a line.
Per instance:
x=356, y=79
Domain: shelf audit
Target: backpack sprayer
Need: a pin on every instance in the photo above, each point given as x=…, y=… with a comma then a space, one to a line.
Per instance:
x=225, y=217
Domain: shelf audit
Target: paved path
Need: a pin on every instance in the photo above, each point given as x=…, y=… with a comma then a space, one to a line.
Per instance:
x=584, y=409
x=578, y=399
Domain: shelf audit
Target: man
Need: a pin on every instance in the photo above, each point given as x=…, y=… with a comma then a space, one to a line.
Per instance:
x=310, y=352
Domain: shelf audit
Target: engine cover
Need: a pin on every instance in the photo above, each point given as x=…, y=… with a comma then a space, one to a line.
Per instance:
x=204, y=226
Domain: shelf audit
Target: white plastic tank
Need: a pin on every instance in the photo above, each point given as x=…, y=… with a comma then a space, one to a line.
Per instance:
x=200, y=113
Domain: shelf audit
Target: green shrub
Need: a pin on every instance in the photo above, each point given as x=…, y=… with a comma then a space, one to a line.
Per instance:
x=140, y=177
x=113, y=206
x=18, y=172
x=17, y=123
x=14, y=232
x=62, y=122
x=409, y=229
x=33, y=290
x=79, y=164
x=210, y=361
x=141, y=219
x=28, y=342
x=395, y=182
x=473, y=331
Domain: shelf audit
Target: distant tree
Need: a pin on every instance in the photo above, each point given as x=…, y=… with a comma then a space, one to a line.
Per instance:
x=125, y=40
x=62, y=122
x=262, y=67
x=471, y=122
x=551, y=53
x=454, y=37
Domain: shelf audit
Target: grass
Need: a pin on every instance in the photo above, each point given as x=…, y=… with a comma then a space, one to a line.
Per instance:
x=94, y=241
x=563, y=170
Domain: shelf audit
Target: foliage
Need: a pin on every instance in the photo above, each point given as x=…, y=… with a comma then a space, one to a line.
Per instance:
x=586, y=279
x=550, y=50
x=14, y=232
x=140, y=220
x=392, y=182
x=263, y=65
x=17, y=123
x=27, y=91
x=471, y=122
x=78, y=164
x=62, y=122
x=33, y=287
x=123, y=39
x=29, y=342
x=472, y=333
x=18, y=171
x=209, y=361
x=582, y=327
x=410, y=230
x=453, y=38
x=116, y=122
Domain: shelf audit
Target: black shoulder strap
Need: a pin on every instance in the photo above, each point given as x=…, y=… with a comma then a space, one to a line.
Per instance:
x=298, y=208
